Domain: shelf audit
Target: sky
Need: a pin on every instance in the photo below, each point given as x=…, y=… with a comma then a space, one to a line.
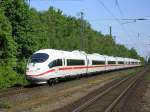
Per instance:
x=102, y=14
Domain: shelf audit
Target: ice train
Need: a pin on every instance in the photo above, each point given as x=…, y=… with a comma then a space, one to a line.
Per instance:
x=48, y=65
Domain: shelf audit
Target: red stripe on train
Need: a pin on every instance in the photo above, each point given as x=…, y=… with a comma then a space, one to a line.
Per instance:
x=70, y=68
x=43, y=73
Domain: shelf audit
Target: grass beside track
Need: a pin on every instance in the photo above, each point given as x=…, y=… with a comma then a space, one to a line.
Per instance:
x=5, y=104
x=147, y=77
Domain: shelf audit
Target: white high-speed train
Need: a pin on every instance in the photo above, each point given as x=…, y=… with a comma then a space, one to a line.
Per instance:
x=48, y=65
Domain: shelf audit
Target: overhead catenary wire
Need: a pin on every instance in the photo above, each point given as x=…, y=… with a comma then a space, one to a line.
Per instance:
x=118, y=6
x=116, y=19
x=129, y=20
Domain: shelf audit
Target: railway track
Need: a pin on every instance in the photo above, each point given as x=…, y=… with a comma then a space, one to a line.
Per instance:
x=106, y=99
x=29, y=96
x=40, y=100
x=19, y=90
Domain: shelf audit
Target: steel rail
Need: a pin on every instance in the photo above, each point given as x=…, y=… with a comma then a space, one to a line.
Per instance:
x=116, y=101
x=92, y=100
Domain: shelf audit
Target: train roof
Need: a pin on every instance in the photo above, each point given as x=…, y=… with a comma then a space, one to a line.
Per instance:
x=78, y=53
x=120, y=59
x=96, y=56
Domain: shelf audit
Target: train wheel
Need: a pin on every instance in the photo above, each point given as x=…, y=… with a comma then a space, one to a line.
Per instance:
x=53, y=81
x=56, y=80
x=50, y=82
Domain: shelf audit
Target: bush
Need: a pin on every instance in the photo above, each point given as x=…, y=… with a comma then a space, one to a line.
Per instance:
x=9, y=78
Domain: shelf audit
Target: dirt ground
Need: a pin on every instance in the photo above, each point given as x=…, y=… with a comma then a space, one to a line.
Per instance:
x=146, y=98
x=47, y=99
x=138, y=99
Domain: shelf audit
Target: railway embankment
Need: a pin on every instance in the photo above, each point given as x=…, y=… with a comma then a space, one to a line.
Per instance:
x=45, y=98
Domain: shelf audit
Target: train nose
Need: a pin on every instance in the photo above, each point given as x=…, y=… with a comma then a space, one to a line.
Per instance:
x=32, y=70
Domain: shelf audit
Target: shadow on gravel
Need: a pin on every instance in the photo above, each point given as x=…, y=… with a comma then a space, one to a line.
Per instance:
x=33, y=85
x=27, y=86
x=17, y=85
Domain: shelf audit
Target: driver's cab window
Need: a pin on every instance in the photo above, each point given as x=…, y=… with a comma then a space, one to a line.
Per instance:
x=54, y=63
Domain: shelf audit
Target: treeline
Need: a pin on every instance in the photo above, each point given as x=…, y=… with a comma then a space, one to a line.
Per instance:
x=24, y=30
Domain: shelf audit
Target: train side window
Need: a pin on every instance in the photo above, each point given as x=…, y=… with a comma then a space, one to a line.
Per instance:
x=111, y=62
x=55, y=63
x=120, y=62
x=94, y=62
x=71, y=62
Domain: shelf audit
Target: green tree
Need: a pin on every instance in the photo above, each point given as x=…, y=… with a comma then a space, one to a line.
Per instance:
x=133, y=53
x=8, y=47
x=17, y=11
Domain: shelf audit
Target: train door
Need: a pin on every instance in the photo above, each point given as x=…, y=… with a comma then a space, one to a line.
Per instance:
x=59, y=69
x=62, y=69
x=105, y=64
x=60, y=62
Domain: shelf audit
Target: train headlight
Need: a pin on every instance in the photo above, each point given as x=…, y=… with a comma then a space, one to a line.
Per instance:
x=37, y=69
x=27, y=69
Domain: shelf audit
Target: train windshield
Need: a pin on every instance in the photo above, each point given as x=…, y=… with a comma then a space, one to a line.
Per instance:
x=38, y=58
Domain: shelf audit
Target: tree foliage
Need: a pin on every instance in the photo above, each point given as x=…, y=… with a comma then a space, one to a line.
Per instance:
x=8, y=47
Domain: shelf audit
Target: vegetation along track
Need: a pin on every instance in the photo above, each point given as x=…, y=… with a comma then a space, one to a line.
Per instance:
x=107, y=97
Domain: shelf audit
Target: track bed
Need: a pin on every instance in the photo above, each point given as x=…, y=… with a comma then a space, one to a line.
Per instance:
x=45, y=98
